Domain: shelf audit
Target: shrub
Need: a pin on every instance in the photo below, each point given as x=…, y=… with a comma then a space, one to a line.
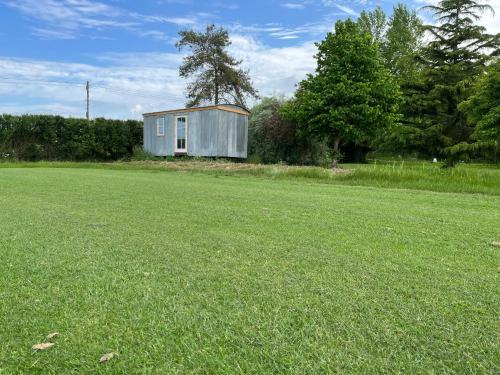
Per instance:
x=271, y=139
x=139, y=154
x=41, y=137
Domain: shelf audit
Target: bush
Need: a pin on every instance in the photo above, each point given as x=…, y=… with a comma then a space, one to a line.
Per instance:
x=40, y=137
x=273, y=140
x=140, y=154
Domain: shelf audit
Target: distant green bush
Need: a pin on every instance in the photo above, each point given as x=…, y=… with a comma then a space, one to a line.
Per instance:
x=42, y=137
x=254, y=159
x=139, y=154
x=273, y=140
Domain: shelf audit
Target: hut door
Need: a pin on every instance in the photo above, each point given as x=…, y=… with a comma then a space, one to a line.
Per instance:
x=181, y=134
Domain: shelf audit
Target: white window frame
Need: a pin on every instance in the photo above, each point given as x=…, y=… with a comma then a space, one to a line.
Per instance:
x=160, y=121
x=175, y=132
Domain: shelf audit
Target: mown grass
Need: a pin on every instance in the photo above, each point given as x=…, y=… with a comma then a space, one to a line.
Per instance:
x=202, y=273
x=464, y=178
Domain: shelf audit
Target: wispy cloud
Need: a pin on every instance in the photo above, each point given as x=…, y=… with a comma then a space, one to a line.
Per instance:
x=277, y=31
x=344, y=8
x=69, y=19
x=293, y=5
x=125, y=85
x=52, y=34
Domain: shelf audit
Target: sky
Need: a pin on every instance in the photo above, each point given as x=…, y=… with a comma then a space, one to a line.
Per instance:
x=126, y=48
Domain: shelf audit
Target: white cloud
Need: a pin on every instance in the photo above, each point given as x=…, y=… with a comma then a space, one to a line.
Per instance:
x=125, y=85
x=344, y=8
x=68, y=16
x=293, y=5
x=116, y=90
x=131, y=83
x=53, y=34
x=275, y=70
x=311, y=30
x=69, y=19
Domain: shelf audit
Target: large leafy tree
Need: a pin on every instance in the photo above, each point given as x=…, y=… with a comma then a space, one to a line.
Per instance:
x=351, y=95
x=375, y=23
x=403, y=41
x=398, y=36
x=217, y=76
x=456, y=56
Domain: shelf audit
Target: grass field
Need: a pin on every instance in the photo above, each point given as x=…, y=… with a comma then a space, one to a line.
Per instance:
x=466, y=178
x=216, y=273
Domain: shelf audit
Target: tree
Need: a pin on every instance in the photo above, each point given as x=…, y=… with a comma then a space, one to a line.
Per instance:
x=399, y=38
x=272, y=139
x=217, y=75
x=403, y=41
x=351, y=96
x=374, y=23
x=455, y=57
x=483, y=110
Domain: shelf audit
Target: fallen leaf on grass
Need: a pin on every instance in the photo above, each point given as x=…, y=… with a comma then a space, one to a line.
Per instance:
x=495, y=243
x=50, y=336
x=106, y=357
x=42, y=346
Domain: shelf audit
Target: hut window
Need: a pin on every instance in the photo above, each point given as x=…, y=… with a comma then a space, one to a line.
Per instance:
x=181, y=134
x=160, y=127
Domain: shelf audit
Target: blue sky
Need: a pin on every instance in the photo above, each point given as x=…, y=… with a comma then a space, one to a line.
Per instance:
x=125, y=48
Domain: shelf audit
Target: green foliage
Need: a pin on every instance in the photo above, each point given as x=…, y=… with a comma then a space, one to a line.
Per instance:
x=483, y=111
x=403, y=41
x=399, y=38
x=432, y=124
x=139, y=154
x=271, y=139
x=217, y=76
x=352, y=96
x=416, y=133
x=483, y=107
x=374, y=23
x=454, y=59
x=40, y=137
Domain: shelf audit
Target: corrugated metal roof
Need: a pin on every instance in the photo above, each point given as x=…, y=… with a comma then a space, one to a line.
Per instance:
x=222, y=107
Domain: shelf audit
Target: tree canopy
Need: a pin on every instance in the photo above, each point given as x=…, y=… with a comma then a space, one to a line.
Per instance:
x=217, y=76
x=483, y=111
x=379, y=83
x=453, y=60
x=351, y=96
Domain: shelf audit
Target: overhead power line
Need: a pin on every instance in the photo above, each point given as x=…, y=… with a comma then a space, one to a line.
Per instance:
x=113, y=90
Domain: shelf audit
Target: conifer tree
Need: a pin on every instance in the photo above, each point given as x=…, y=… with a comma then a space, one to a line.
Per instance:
x=218, y=77
x=456, y=56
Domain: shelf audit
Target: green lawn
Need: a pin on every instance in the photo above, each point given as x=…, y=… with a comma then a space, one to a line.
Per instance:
x=206, y=273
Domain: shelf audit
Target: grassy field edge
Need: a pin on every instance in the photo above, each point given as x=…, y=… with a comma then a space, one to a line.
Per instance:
x=469, y=179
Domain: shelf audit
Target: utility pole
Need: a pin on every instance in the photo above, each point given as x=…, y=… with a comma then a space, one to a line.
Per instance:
x=88, y=100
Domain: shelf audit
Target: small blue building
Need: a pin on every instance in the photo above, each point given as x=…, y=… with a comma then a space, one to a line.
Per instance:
x=216, y=131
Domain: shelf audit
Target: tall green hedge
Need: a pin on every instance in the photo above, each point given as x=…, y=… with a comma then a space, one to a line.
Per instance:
x=41, y=137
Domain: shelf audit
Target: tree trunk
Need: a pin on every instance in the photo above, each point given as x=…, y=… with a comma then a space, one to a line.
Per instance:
x=335, y=160
x=216, y=93
x=216, y=84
